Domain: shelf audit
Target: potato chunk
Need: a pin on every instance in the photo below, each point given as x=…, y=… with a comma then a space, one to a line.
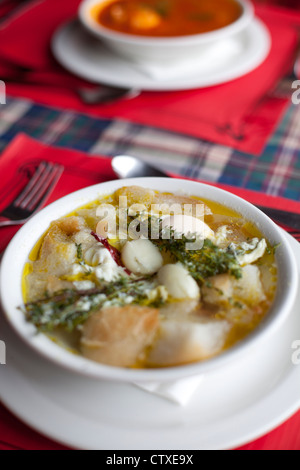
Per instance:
x=178, y=282
x=249, y=288
x=181, y=342
x=118, y=336
x=219, y=290
x=224, y=288
x=144, y=18
x=142, y=257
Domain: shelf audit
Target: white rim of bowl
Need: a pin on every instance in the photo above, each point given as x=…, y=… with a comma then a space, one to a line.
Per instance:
x=104, y=33
x=76, y=363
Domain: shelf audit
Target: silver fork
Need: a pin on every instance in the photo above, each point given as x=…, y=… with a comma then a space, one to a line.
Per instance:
x=33, y=195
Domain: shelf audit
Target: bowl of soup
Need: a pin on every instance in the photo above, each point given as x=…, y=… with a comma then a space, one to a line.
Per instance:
x=148, y=279
x=158, y=30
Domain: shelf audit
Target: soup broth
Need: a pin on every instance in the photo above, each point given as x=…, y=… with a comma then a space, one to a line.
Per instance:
x=166, y=18
x=149, y=279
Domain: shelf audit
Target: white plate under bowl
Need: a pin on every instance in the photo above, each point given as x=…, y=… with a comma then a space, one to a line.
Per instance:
x=87, y=57
x=230, y=408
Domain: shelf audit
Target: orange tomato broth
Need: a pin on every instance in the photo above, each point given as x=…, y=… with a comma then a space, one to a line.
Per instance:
x=166, y=18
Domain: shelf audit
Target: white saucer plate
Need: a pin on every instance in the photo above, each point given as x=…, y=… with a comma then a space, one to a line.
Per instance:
x=231, y=407
x=86, y=57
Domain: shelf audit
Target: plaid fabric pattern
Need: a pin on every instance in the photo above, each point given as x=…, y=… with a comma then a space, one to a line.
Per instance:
x=276, y=171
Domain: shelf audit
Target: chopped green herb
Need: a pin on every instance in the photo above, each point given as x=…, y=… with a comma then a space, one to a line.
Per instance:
x=81, y=261
x=238, y=305
x=79, y=251
x=70, y=308
x=271, y=250
x=206, y=262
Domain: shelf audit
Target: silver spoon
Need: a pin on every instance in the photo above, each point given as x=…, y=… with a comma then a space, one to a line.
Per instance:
x=106, y=94
x=125, y=166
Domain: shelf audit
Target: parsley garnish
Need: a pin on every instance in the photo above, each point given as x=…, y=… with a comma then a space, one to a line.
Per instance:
x=79, y=251
x=204, y=263
x=70, y=308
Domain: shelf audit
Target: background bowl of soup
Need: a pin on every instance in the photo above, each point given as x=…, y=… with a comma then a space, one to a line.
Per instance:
x=17, y=255
x=159, y=30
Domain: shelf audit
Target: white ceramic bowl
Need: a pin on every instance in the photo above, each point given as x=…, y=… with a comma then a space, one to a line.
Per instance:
x=18, y=250
x=140, y=48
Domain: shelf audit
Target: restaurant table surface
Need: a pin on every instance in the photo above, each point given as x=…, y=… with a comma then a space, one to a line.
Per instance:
x=272, y=171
